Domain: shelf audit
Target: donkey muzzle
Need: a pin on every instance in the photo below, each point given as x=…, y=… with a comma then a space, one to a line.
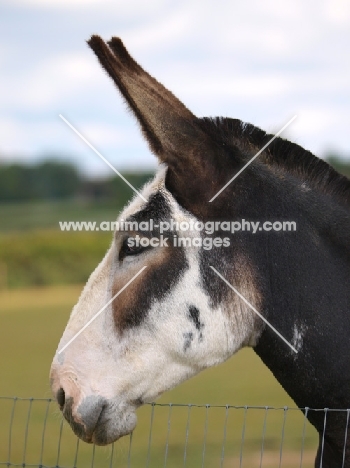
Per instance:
x=93, y=418
x=86, y=420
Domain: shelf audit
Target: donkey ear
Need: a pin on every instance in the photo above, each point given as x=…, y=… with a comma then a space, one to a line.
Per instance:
x=171, y=130
x=166, y=123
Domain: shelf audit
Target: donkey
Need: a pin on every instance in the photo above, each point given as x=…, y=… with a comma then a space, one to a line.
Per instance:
x=177, y=316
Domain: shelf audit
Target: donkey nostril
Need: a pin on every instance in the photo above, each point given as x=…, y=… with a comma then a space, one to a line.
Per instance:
x=61, y=397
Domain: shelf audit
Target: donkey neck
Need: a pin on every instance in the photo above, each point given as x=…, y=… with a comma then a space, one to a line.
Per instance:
x=304, y=276
x=304, y=279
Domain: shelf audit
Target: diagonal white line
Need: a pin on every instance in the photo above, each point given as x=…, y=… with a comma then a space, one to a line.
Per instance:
x=253, y=158
x=101, y=310
x=254, y=309
x=102, y=157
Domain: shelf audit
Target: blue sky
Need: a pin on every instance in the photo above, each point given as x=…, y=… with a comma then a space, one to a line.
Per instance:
x=261, y=62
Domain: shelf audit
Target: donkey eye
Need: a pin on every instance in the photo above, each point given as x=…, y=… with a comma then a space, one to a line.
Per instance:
x=130, y=247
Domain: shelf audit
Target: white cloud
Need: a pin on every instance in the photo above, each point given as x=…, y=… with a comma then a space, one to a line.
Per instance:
x=134, y=6
x=55, y=3
x=103, y=136
x=313, y=120
x=158, y=34
x=336, y=11
x=49, y=82
x=233, y=86
x=23, y=137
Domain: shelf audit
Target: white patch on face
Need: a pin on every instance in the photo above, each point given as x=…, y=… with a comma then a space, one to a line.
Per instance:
x=148, y=359
x=298, y=335
x=153, y=356
x=305, y=187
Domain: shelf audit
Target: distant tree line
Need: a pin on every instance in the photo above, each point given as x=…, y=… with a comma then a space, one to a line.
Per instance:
x=340, y=165
x=54, y=180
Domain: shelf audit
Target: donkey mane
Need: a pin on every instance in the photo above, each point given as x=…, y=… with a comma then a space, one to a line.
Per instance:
x=281, y=153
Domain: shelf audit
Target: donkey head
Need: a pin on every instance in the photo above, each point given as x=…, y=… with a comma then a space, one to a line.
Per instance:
x=174, y=317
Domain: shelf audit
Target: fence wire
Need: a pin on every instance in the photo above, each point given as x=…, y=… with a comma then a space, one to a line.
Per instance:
x=34, y=434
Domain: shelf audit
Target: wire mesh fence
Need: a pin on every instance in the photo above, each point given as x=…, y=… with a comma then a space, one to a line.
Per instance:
x=33, y=434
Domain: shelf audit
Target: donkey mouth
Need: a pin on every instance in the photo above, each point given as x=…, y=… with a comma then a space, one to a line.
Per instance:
x=99, y=421
x=113, y=426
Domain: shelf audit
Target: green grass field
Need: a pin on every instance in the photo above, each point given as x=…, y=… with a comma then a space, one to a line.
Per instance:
x=31, y=323
x=45, y=215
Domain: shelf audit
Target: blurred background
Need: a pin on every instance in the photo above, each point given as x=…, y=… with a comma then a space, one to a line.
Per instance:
x=261, y=62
